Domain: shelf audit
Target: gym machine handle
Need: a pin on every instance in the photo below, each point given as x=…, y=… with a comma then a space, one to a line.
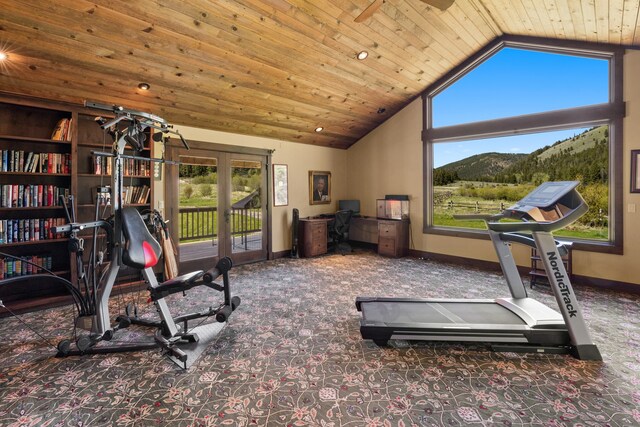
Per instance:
x=128, y=156
x=222, y=267
x=75, y=227
x=149, y=120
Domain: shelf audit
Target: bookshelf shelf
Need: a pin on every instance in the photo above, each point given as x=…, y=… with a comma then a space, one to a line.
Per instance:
x=35, y=174
x=29, y=209
x=36, y=140
x=94, y=175
x=33, y=242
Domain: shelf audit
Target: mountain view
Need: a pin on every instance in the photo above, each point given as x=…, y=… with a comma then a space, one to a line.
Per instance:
x=488, y=181
x=584, y=155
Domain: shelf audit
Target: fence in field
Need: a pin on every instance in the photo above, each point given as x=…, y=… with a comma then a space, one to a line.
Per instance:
x=471, y=207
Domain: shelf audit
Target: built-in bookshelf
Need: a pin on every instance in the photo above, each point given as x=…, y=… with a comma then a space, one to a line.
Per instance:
x=47, y=149
x=35, y=169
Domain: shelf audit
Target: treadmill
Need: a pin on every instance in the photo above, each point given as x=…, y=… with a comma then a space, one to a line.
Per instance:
x=516, y=324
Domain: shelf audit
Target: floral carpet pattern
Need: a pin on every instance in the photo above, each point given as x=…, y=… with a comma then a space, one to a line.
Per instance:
x=292, y=355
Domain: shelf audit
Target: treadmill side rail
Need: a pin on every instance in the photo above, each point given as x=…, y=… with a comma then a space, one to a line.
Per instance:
x=565, y=297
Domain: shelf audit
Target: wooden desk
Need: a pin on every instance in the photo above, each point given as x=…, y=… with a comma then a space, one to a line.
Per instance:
x=391, y=237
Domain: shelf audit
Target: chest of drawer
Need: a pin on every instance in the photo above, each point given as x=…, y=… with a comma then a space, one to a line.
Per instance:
x=387, y=246
x=387, y=229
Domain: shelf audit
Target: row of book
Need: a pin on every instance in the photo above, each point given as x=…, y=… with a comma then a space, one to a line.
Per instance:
x=136, y=194
x=62, y=131
x=30, y=195
x=101, y=165
x=21, y=161
x=29, y=229
x=18, y=267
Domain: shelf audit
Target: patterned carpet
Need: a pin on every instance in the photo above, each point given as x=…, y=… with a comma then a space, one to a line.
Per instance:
x=292, y=355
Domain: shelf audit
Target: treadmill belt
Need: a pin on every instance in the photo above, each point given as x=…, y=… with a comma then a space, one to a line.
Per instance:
x=484, y=313
x=391, y=312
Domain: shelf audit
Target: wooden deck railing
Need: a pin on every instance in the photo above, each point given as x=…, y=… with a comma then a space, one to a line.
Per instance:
x=201, y=223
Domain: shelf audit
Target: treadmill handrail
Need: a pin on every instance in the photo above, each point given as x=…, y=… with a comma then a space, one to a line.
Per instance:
x=507, y=227
x=527, y=240
x=483, y=217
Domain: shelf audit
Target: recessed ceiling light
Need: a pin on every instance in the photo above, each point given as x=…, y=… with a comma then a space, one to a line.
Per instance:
x=319, y=129
x=3, y=56
x=144, y=86
x=362, y=55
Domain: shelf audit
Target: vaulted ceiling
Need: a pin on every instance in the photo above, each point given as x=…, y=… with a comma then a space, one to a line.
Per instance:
x=273, y=68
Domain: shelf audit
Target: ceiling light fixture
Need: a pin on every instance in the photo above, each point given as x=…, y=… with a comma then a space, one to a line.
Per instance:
x=144, y=86
x=3, y=56
x=319, y=129
x=362, y=55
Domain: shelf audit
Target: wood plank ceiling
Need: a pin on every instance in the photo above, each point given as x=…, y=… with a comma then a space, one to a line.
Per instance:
x=272, y=68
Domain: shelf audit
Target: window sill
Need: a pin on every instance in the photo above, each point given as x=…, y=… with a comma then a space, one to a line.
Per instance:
x=578, y=245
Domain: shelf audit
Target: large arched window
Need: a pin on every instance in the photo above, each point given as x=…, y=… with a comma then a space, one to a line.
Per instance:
x=520, y=112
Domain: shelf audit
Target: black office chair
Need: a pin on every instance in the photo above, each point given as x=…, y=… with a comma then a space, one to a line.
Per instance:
x=339, y=232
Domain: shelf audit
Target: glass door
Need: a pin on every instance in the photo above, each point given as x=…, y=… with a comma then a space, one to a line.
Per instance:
x=217, y=201
x=246, y=213
x=198, y=213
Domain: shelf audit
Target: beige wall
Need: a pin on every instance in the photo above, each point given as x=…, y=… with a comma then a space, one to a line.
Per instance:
x=300, y=158
x=389, y=161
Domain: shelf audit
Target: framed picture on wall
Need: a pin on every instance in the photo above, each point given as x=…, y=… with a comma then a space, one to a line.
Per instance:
x=319, y=187
x=635, y=171
x=280, y=185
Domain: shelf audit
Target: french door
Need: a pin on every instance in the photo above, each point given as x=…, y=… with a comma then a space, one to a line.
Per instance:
x=217, y=205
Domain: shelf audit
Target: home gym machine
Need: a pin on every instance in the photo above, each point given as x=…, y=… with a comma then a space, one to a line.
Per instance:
x=516, y=324
x=130, y=244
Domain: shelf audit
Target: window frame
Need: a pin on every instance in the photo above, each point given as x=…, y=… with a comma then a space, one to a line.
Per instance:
x=611, y=113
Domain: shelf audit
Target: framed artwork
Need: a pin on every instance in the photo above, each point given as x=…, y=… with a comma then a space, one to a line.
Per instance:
x=635, y=171
x=319, y=187
x=280, y=185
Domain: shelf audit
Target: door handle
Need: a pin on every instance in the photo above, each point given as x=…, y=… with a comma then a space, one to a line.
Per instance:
x=227, y=215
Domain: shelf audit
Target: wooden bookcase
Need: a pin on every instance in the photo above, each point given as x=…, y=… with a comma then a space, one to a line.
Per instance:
x=27, y=126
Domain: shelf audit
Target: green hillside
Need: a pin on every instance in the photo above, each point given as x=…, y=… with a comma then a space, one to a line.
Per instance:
x=584, y=157
x=584, y=141
x=481, y=166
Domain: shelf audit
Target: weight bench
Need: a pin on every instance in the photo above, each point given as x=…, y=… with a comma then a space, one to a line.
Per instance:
x=141, y=251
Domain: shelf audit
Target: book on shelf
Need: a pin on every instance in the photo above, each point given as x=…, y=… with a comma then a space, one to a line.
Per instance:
x=62, y=130
x=24, y=266
x=132, y=194
x=101, y=165
x=30, y=195
x=32, y=162
x=29, y=229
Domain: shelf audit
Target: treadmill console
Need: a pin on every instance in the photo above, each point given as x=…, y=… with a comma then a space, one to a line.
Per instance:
x=554, y=202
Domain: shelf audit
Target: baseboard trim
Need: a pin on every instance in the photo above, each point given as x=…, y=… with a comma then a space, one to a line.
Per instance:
x=282, y=254
x=594, y=282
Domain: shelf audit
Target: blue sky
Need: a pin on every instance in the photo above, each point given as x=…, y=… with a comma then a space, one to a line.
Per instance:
x=515, y=82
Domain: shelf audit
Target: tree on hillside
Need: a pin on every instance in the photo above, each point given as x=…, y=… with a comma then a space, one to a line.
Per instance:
x=444, y=176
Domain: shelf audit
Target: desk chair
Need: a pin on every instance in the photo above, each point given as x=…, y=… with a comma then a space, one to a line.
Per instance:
x=339, y=232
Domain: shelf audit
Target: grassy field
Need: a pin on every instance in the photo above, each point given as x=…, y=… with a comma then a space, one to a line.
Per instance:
x=448, y=201
x=206, y=196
